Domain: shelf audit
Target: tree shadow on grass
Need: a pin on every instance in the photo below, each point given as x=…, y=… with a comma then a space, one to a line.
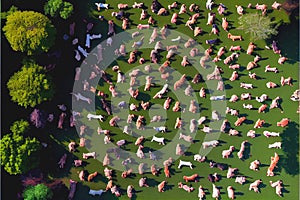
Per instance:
x=288, y=39
x=290, y=147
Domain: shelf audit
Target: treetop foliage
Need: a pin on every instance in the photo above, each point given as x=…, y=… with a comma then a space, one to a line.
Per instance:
x=258, y=26
x=19, y=126
x=18, y=153
x=58, y=7
x=29, y=31
x=37, y=192
x=10, y=11
x=30, y=86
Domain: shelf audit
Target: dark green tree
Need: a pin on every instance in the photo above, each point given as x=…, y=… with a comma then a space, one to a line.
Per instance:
x=30, y=86
x=37, y=192
x=66, y=10
x=258, y=26
x=29, y=32
x=18, y=154
x=58, y=7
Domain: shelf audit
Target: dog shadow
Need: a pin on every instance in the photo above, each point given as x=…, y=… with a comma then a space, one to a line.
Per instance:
x=283, y=190
x=169, y=187
x=152, y=182
x=239, y=193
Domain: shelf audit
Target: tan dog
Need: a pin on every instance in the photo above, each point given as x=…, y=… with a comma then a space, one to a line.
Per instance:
x=239, y=121
x=161, y=186
x=92, y=176
x=234, y=37
x=191, y=178
x=166, y=171
x=259, y=123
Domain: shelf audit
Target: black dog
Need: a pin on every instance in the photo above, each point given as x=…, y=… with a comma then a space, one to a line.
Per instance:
x=213, y=177
x=220, y=166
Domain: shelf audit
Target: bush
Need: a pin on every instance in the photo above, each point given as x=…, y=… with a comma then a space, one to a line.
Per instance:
x=37, y=192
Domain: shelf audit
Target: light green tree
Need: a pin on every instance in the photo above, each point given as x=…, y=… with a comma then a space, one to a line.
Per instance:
x=258, y=26
x=30, y=86
x=18, y=154
x=10, y=11
x=29, y=31
x=19, y=126
x=37, y=192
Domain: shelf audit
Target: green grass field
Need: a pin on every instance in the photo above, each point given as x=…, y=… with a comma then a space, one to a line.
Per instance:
x=288, y=167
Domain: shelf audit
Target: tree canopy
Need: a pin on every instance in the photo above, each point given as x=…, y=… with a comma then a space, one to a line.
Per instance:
x=18, y=153
x=66, y=10
x=10, y=11
x=30, y=86
x=19, y=126
x=37, y=192
x=29, y=31
x=258, y=26
x=58, y=7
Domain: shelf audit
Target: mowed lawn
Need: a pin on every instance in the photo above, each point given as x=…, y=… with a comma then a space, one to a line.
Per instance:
x=288, y=167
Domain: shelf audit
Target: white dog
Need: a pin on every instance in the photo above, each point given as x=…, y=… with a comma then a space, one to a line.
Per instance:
x=87, y=155
x=92, y=116
x=275, y=145
x=270, y=134
x=212, y=143
x=248, y=106
x=246, y=85
x=185, y=163
x=240, y=179
x=215, y=115
x=161, y=92
x=262, y=98
x=160, y=140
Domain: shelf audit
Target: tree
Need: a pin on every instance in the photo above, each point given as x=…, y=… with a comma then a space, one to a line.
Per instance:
x=29, y=32
x=37, y=192
x=58, y=7
x=66, y=10
x=38, y=118
x=30, y=86
x=18, y=154
x=259, y=26
x=19, y=127
x=11, y=10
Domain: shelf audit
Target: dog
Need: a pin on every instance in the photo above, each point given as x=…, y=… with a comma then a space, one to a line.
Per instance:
x=234, y=37
x=92, y=116
x=255, y=185
x=185, y=187
x=161, y=186
x=212, y=143
x=185, y=163
x=276, y=145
